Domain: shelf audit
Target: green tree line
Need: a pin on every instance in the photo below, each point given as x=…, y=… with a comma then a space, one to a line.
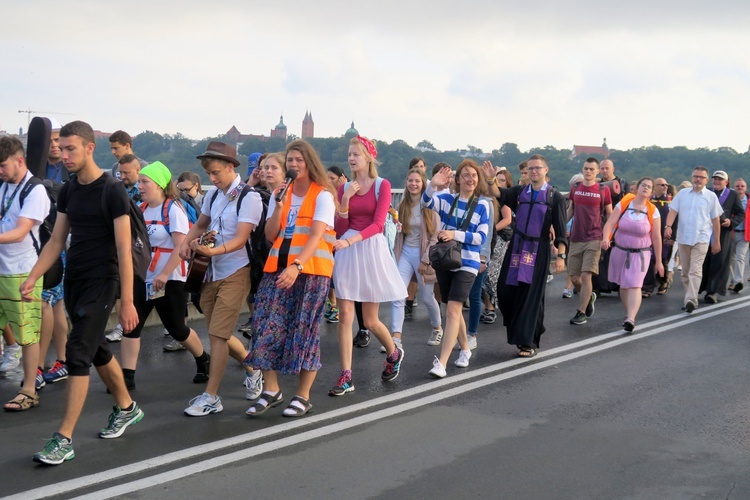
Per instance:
x=675, y=164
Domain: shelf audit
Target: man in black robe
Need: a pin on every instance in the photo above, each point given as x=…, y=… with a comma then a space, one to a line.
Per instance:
x=523, y=276
x=716, y=266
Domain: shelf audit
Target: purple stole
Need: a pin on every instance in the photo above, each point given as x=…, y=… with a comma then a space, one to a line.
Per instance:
x=723, y=197
x=529, y=224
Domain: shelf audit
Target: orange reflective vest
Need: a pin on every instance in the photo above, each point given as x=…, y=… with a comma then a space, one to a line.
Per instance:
x=321, y=263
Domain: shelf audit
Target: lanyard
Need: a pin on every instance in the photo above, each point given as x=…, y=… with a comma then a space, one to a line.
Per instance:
x=7, y=204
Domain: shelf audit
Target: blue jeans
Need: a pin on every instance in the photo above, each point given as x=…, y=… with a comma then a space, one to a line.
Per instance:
x=475, y=304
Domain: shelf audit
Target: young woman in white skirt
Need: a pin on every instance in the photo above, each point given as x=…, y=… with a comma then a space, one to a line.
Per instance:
x=364, y=271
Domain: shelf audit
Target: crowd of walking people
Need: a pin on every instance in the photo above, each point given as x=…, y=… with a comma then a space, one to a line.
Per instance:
x=300, y=244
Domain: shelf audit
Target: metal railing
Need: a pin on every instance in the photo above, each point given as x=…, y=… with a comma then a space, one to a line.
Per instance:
x=396, y=194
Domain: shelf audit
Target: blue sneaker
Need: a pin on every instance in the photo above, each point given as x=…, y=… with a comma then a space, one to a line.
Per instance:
x=58, y=372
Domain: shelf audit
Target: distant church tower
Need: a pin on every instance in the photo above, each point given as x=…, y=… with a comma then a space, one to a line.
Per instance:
x=308, y=126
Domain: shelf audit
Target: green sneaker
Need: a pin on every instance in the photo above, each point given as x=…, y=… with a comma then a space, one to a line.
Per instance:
x=58, y=450
x=119, y=420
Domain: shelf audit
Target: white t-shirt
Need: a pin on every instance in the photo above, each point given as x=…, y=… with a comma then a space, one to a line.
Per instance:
x=325, y=210
x=415, y=227
x=19, y=258
x=224, y=219
x=159, y=237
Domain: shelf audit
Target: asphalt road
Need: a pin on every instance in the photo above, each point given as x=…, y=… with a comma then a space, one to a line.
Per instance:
x=659, y=414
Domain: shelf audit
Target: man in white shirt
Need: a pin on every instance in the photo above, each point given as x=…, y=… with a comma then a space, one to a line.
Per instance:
x=23, y=208
x=701, y=212
x=233, y=212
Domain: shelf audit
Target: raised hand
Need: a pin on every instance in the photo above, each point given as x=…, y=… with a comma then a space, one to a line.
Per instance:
x=442, y=179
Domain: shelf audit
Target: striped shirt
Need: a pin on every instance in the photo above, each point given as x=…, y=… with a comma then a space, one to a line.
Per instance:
x=475, y=234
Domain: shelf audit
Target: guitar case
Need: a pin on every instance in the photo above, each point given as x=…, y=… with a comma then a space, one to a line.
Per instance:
x=37, y=145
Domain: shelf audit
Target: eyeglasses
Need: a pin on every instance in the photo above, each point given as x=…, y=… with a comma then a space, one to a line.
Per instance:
x=186, y=190
x=534, y=169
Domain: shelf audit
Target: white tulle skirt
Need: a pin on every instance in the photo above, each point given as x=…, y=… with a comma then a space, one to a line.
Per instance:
x=366, y=272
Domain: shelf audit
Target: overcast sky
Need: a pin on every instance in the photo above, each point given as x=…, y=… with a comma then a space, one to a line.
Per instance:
x=536, y=73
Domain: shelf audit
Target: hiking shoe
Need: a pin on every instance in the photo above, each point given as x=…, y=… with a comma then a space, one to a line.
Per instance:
x=590, y=308
x=58, y=372
x=438, y=370
x=173, y=345
x=578, y=319
x=120, y=420
x=362, y=339
x=247, y=326
x=203, y=405
x=463, y=359
x=396, y=340
x=435, y=337
x=333, y=317
x=115, y=335
x=343, y=386
x=628, y=325
x=56, y=451
x=392, y=368
x=567, y=293
x=690, y=306
x=254, y=384
x=202, y=370
x=11, y=358
x=408, y=311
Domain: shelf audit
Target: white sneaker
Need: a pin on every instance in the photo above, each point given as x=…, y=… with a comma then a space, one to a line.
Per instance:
x=396, y=340
x=463, y=359
x=116, y=334
x=254, y=384
x=472, y=343
x=11, y=358
x=173, y=346
x=165, y=332
x=203, y=405
x=438, y=370
x=435, y=337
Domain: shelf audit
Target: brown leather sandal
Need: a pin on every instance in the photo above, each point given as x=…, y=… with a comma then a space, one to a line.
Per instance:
x=23, y=401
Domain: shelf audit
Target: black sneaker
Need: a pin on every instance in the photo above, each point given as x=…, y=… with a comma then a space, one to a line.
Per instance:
x=392, y=368
x=590, y=308
x=202, y=370
x=690, y=306
x=738, y=287
x=578, y=319
x=247, y=327
x=628, y=325
x=362, y=339
x=408, y=312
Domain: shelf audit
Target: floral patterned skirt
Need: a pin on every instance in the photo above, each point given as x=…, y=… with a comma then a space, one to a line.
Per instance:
x=286, y=324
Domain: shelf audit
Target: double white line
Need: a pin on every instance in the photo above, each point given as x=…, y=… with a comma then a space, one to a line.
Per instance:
x=484, y=375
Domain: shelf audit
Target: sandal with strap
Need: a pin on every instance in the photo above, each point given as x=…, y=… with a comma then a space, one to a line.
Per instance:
x=23, y=401
x=265, y=403
x=298, y=407
x=526, y=352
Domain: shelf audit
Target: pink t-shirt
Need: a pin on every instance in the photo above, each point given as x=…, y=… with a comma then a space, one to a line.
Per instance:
x=366, y=214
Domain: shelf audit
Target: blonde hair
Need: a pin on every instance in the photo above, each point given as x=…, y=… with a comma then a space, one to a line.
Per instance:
x=372, y=163
x=404, y=208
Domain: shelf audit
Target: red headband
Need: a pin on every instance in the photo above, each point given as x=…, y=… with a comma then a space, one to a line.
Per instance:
x=369, y=146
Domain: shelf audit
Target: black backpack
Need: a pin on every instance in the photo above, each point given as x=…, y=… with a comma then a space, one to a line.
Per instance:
x=54, y=275
x=258, y=247
x=140, y=246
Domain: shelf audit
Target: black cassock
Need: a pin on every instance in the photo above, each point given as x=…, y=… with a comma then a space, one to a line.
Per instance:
x=716, y=267
x=522, y=305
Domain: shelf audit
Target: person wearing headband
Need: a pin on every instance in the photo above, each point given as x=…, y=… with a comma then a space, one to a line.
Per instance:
x=167, y=225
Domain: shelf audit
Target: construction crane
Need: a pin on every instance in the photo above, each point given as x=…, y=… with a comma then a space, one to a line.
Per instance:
x=30, y=111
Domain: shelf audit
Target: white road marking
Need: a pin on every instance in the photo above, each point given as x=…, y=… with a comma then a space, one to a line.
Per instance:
x=606, y=341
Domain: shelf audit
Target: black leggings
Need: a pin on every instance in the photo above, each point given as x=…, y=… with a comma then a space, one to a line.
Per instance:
x=170, y=307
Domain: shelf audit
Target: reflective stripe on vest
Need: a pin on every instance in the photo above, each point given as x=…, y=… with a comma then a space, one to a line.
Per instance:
x=321, y=263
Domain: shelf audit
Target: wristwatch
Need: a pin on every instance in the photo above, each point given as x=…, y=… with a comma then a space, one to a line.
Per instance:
x=562, y=255
x=299, y=265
